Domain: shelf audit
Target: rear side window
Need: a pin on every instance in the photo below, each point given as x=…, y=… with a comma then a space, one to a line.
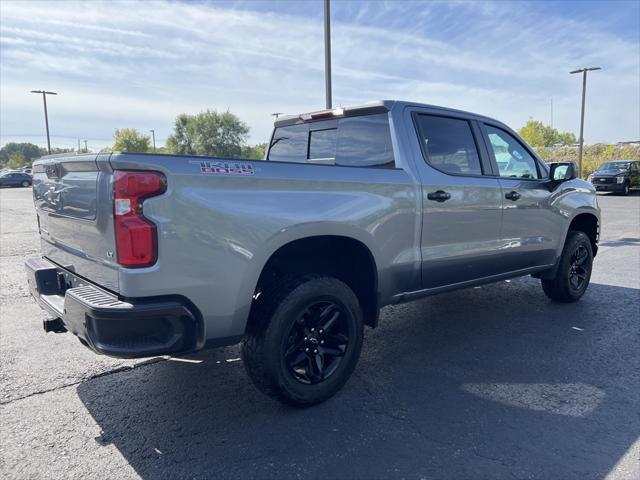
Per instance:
x=363, y=141
x=449, y=144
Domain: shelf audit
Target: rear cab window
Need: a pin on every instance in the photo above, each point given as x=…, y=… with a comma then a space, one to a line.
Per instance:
x=289, y=144
x=358, y=141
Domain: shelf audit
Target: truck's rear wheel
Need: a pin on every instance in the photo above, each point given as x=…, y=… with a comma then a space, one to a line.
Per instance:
x=304, y=339
x=574, y=270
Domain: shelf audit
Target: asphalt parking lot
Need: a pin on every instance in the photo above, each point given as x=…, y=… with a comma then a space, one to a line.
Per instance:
x=491, y=382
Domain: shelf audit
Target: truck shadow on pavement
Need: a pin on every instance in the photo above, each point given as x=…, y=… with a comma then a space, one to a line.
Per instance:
x=491, y=382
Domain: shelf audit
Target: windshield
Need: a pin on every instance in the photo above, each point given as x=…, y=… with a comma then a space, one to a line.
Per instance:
x=609, y=166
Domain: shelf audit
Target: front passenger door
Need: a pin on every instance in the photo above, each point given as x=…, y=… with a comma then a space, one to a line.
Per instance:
x=461, y=203
x=531, y=227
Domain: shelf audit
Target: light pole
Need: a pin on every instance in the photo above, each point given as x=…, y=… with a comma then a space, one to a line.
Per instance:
x=584, y=88
x=327, y=52
x=153, y=134
x=46, y=117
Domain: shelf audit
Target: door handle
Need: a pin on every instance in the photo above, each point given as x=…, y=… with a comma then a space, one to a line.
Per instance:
x=512, y=196
x=439, y=196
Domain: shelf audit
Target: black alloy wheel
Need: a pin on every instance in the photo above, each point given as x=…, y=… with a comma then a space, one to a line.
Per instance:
x=573, y=273
x=303, y=339
x=317, y=342
x=579, y=268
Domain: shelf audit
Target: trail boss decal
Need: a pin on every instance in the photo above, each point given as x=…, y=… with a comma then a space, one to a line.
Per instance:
x=226, y=168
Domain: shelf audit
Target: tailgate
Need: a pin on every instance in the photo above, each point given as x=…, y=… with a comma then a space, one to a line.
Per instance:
x=72, y=196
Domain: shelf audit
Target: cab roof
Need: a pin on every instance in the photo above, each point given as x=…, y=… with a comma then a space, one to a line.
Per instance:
x=378, y=106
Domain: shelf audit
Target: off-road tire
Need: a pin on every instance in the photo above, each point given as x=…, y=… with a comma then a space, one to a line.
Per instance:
x=273, y=316
x=560, y=288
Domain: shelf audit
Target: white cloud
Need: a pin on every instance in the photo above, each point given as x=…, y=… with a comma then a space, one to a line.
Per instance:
x=139, y=64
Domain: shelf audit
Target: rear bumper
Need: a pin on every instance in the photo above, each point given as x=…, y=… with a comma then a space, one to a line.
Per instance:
x=108, y=325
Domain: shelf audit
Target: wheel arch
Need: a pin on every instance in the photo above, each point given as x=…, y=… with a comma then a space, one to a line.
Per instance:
x=348, y=256
x=589, y=224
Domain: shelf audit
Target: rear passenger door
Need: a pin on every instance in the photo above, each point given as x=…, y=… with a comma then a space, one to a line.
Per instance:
x=461, y=201
x=531, y=226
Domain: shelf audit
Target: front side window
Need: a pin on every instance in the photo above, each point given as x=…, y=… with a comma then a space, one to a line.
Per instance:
x=449, y=145
x=513, y=160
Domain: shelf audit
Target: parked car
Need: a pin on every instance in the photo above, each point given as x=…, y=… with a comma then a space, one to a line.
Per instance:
x=617, y=176
x=351, y=210
x=28, y=170
x=15, y=179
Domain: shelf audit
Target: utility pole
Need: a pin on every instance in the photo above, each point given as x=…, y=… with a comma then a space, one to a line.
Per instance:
x=584, y=89
x=153, y=134
x=86, y=149
x=327, y=52
x=46, y=116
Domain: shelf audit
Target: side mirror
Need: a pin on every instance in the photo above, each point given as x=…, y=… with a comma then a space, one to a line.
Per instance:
x=562, y=171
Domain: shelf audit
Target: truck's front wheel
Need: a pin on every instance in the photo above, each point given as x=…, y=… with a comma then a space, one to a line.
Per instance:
x=574, y=270
x=304, y=339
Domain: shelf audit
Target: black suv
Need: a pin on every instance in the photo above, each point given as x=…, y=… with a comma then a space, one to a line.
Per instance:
x=15, y=179
x=616, y=176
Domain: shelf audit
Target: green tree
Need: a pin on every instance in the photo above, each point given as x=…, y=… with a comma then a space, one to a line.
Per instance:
x=253, y=152
x=130, y=140
x=539, y=135
x=17, y=160
x=208, y=133
x=26, y=153
x=565, y=138
x=57, y=150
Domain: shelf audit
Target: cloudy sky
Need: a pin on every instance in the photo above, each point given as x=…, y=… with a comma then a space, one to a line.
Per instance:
x=139, y=64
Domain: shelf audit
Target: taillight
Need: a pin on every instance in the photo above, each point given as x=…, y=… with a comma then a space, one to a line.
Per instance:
x=136, y=236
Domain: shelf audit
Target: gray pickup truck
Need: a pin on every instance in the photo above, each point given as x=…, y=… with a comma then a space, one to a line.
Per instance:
x=351, y=210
